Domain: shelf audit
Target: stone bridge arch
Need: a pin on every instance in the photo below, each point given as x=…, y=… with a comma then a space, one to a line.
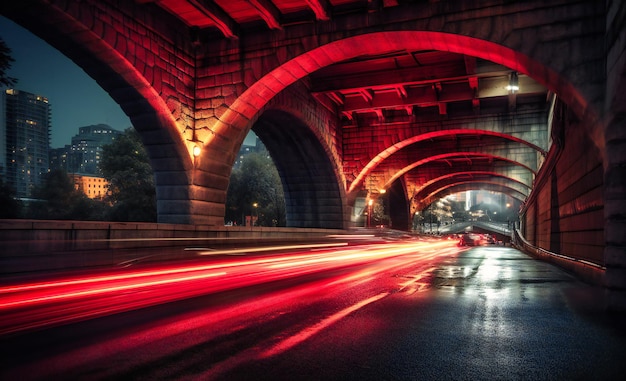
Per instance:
x=461, y=186
x=398, y=147
x=271, y=84
x=412, y=181
x=177, y=102
x=158, y=98
x=470, y=170
x=434, y=186
x=456, y=155
x=313, y=196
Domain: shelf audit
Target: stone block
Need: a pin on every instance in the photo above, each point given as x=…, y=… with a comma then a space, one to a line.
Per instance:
x=615, y=256
x=614, y=231
x=182, y=218
x=615, y=278
x=615, y=208
x=173, y=192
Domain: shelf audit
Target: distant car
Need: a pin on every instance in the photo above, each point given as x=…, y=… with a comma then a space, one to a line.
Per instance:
x=471, y=239
x=489, y=240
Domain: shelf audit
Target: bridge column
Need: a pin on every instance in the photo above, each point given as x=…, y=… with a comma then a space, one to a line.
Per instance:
x=615, y=167
x=615, y=212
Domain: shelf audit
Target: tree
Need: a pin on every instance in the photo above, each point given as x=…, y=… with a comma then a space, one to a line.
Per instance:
x=59, y=200
x=378, y=213
x=126, y=166
x=256, y=182
x=5, y=65
x=9, y=206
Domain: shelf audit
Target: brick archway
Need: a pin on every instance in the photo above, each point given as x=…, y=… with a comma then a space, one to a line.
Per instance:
x=452, y=155
x=380, y=157
x=473, y=185
x=263, y=90
x=250, y=102
x=313, y=198
x=161, y=100
x=436, y=185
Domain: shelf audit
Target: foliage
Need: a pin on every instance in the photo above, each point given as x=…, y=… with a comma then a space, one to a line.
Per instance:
x=256, y=181
x=9, y=206
x=379, y=217
x=126, y=166
x=59, y=200
x=5, y=65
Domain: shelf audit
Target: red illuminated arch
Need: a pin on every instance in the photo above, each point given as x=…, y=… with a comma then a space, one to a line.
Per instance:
x=150, y=113
x=451, y=177
x=246, y=107
x=449, y=155
x=430, y=135
x=470, y=185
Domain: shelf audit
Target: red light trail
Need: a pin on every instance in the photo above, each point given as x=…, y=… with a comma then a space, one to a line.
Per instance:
x=41, y=304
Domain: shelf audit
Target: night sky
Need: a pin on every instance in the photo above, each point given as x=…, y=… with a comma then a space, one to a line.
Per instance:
x=76, y=100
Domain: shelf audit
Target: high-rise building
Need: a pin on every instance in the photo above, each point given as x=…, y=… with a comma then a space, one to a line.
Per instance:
x=62, y=158
x=87, y=148
x=248, y=148
x=25, y=140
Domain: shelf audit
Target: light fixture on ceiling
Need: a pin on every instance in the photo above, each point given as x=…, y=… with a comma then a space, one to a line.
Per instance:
x=513, y=85
x=196, y=151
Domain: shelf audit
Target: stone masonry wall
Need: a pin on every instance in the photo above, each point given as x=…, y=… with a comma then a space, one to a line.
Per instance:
x=615, y=161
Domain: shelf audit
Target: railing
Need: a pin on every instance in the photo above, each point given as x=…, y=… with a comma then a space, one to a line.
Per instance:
x=588, y=271
x=33, y=245
x=492, y=227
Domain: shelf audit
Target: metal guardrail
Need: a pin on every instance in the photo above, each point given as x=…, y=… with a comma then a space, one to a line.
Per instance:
x=518, y=240
x=500, y=228
x=590, y=272
x=496, y=227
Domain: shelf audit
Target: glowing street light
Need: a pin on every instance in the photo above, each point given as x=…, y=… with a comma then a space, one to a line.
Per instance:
x=513, y=85
x=196, y=151
x=256, y=211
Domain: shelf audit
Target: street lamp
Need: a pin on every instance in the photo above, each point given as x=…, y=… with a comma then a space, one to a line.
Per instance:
x=196, y=151
x=256, y=211
x=416, y=220
x=369, y=213
x=513, y=85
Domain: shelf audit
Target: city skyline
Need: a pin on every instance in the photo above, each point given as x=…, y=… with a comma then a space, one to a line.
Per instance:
x=76, y=99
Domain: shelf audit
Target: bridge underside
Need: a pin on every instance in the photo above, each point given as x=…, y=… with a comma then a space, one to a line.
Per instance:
x=416, y=106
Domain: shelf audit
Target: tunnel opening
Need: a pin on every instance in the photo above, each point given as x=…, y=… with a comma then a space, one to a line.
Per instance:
x=468, y=208
x=398, y=206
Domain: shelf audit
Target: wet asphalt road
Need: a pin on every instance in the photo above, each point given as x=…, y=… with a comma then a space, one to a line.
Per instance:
x=491, y=313
x=485, y=313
